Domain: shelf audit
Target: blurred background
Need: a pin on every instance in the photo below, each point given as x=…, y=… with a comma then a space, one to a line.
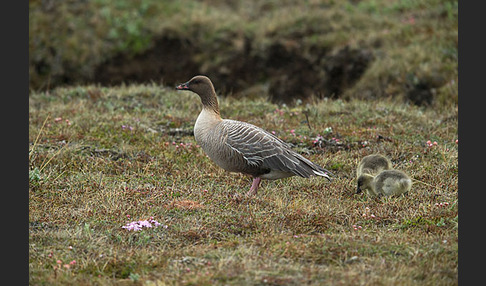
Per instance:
x=286, y=50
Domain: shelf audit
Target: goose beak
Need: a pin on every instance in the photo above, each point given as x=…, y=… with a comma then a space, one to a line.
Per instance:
x=183, y=86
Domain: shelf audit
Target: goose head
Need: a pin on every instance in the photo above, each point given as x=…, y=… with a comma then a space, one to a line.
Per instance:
x=202, y=86
x=365, y=182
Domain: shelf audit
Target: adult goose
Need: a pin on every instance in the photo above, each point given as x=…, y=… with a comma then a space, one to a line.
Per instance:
x=242, y=147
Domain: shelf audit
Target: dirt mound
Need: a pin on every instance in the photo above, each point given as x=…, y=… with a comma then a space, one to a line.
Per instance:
x=285, y=50
x=168, y=61
x=289, y=73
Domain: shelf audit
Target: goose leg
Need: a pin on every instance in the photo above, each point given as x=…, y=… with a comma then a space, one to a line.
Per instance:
x=254, y=187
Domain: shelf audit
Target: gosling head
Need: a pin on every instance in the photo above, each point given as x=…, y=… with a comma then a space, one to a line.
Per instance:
x=365, y=183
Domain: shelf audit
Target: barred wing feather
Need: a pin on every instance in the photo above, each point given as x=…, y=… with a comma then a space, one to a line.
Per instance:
x=261, y=149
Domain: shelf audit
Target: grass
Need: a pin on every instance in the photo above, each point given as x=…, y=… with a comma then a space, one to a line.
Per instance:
x=102, y=157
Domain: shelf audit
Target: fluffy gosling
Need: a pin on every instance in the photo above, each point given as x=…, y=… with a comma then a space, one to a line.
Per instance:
x=386, y=183
x=373, y=164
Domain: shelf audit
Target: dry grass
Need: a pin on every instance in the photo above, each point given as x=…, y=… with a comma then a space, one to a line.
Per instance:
x=97, y=155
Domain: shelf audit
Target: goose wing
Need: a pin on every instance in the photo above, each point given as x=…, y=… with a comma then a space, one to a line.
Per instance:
x=262, y=150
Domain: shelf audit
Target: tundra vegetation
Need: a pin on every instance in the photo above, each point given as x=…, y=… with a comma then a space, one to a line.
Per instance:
x=120, y=193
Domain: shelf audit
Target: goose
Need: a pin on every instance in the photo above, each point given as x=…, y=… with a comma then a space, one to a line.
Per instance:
x=238, y=146
x=370, y=166
x=373, y=164
x=386, y=183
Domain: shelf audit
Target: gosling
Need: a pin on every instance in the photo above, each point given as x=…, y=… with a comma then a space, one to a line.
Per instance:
x=386, y=183
x=373, y=164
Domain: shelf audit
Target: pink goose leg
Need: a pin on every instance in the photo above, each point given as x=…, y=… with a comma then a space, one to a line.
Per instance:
x=254, y=187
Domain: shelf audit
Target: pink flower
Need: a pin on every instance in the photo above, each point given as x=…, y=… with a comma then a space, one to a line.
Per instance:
x=59, y=262
x=138, y=225
x=72, y=262
x=145, y=223
x=444, y=204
